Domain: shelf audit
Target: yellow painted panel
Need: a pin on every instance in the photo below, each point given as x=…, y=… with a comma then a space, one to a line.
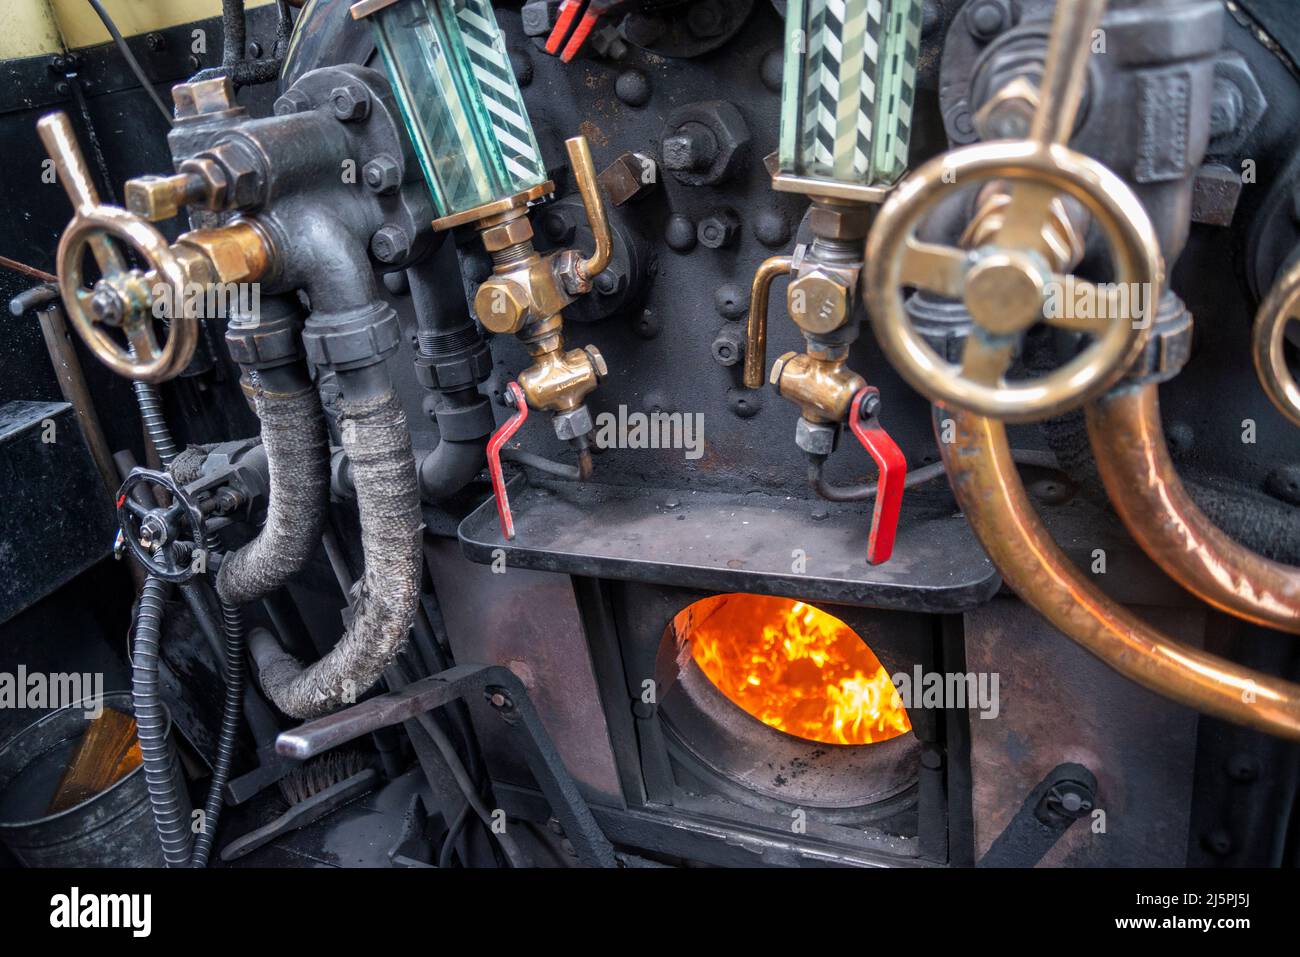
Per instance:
x=27, y=28
x=31, y=27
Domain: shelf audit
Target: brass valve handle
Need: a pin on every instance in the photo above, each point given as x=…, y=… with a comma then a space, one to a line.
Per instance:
x=123, y=297
x=1008, y=283
x=1269, y=343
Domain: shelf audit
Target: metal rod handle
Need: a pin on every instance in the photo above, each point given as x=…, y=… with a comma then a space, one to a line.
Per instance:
x=1065, y=73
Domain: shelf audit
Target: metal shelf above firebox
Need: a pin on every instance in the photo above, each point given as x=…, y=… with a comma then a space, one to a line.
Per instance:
x=728, y=542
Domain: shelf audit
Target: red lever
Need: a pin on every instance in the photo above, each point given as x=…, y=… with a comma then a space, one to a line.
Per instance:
x=568, y=12
x=499, y=438
x=893, y=474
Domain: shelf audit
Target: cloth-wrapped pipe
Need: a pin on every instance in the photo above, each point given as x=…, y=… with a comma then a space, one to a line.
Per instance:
x=378, y=446
x=297, y=456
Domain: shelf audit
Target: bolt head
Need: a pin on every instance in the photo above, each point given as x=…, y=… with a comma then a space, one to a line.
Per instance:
x=818, y=301
x=382, y=174
x=986, y=19
x=501, y=305
x=390, y=244
x=350, y=102
x=292, y=100
x=107, y=306
x=717, y=231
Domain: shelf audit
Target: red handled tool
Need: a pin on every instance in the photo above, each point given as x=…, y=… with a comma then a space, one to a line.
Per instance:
x=569, y=11
x=499, y=438
x=893, y=473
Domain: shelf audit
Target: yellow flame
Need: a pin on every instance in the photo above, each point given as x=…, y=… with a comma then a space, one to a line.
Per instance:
x=793, y=667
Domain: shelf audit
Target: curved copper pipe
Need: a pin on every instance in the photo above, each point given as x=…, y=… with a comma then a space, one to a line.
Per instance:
x=1129, y=445
x=584, y=173
x=756, y=332
x=990, y=493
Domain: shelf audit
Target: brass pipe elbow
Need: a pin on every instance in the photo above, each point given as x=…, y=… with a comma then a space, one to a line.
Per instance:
x=1129, y=446
x=756, y=330
x=990, y=493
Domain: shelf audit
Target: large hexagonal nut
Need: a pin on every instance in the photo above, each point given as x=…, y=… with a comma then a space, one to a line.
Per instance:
x=572, y=424
x=818, y=301
x=382, y=175
x=840, y=222
x=350, y=102
x=708, y=142
x=242, y=171
x=507, y=234
x=215, y=187
x=815, y=438
x=203, y=96
x=235, y=252
x=501, y=305
x=1238, y=106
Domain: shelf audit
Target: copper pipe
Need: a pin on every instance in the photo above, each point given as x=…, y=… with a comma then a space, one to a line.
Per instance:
x=584, y=173
x=756, y=331
x=990, y=492
x=1129, y=445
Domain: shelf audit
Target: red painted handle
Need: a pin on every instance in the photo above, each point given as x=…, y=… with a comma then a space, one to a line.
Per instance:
x=568, y=11
x=499, y=438
x=889, y=488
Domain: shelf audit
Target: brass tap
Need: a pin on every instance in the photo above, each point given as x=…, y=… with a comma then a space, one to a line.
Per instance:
x=526, y=293
x=820, y=300
x=819, y=382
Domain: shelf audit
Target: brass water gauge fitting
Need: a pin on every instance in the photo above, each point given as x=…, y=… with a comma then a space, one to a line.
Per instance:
x=527, y=291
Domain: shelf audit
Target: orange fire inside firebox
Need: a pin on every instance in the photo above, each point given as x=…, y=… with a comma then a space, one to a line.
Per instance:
x=794, y=667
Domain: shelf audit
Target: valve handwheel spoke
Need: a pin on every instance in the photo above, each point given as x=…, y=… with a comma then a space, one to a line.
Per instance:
x=934, y=268
x=986, y=358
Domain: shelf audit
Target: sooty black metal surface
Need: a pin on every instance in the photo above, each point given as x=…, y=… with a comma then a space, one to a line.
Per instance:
x=729, y=542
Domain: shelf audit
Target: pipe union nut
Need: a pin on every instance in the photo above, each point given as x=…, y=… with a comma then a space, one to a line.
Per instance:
x=815, y=438
x=572, y=424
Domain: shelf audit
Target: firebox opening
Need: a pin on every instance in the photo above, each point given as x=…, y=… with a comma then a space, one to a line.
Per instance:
x=792, y=666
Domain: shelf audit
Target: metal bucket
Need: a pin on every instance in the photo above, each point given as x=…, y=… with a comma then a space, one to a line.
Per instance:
x=112, y=829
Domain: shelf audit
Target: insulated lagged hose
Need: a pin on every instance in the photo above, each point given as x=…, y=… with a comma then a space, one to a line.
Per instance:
x=378, y=446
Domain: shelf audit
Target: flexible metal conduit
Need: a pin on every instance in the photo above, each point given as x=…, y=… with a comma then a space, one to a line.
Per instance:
x=232, y=713
x=171, y=811
x=990, y=492
x=1128, y=443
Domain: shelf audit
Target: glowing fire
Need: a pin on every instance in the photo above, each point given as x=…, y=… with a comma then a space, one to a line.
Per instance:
x=793, y=667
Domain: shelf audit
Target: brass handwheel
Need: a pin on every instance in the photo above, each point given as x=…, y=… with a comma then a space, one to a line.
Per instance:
x=123, y=298
x=1009, y=286
x=1281, y=306
x=1010, y=283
